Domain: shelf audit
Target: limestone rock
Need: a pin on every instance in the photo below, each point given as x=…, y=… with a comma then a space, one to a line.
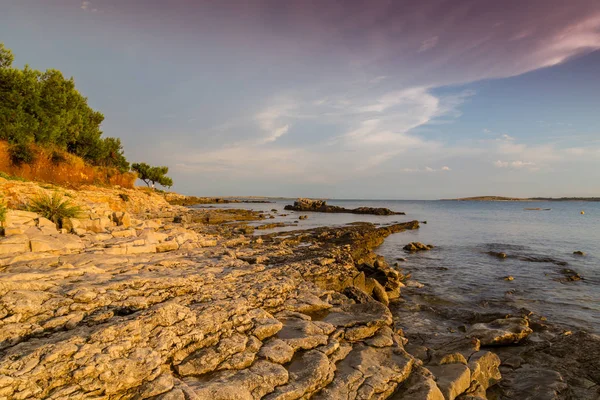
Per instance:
x=419, y=386
x=484, y=370
x=501, y=331
x=308, y=373
x=416, y=246
x=452, y=379
x=14, y=244
x=360, y=320
x=368, y=372
x=259, y=380
x=277, y=351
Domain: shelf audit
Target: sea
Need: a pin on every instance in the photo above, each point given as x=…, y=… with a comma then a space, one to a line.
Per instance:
x=539, y=245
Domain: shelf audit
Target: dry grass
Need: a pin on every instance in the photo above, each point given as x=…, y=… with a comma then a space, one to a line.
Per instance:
x=63, y=169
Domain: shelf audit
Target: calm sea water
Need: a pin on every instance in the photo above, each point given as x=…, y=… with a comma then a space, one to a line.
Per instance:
x=459, y=269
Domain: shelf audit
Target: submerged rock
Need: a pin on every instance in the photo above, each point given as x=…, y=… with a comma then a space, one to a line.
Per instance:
x=569, y=275
x=417, y=246
x=497, y=254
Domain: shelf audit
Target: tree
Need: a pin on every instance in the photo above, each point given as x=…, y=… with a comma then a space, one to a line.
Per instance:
x=6, y=57
x=155, y=175
x=45, y=108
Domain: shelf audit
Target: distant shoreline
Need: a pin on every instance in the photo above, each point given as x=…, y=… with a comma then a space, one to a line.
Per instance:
x=500, y=198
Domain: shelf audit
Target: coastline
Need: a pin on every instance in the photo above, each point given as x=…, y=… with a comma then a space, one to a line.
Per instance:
x=175, y=303
x=501, y=198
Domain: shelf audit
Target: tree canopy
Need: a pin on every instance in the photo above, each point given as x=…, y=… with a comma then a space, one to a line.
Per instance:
x=46, y=109
x=153, y=175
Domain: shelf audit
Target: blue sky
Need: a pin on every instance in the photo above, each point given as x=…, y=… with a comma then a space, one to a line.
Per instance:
x=356, y=99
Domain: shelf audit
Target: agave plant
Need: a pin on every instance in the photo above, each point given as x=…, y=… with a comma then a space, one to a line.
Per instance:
x=55, y=207
x=2, y=210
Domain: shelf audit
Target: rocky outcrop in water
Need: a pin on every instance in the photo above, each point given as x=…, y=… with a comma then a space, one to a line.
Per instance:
x=417, y=246
x=322, y=206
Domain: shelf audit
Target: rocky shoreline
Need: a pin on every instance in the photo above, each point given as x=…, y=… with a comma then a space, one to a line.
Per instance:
x=148, y=300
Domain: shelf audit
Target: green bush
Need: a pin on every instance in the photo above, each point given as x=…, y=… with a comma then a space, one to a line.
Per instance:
x=2, y=216
x=55, y=208
x=57, y=158
x=21, y=153
x=2, y=210
x=11, y=177
x=45, y=108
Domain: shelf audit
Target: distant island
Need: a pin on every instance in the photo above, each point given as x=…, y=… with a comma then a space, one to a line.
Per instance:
x=501, y=198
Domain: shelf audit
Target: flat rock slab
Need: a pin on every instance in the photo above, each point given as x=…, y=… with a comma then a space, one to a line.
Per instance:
x=501, y=331
x=452, y=379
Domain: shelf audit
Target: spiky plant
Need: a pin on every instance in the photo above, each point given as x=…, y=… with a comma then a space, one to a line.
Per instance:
x=55, y=208
x=2, y=210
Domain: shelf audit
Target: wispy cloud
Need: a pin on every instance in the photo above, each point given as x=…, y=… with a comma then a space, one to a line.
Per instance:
x=429, y=44
x=87, y=5
x=426, y=169
x=515, y=164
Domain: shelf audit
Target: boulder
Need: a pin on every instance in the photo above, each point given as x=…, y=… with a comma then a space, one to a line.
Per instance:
x=152, y=237
x=420, y=385
x=71, y=224
x=169, y=245
x=18, y=217
x=12, y=230
x=501, y=331
x=121, y=218
x=452, y=379
x=124, y=233
x=484, y=370
x=14, y=244
x=497, y=254
x=417, y=246
x=45, y=223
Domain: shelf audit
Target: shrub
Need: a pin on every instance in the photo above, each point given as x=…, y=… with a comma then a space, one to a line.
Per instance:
x=57, y=158
x=21, y=153
x=55, y=208
x=45, y=108
x=2, y=210
x=11, y=177
x=2, y=216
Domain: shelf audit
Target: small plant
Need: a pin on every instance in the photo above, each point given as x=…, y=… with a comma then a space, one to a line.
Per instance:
x=21, y=153
x=2, y=216
x=11, y=177
x=124, y=196
x=55, y=208
x=2, y=211
x=57, y=158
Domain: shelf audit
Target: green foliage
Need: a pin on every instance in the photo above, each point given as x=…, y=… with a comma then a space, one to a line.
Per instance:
x=2, y=210
x=21, y=153
x=11, y=177
x=6, y=57
x=46, y=109
x=57, y=158
x=152, y=175
x=55, y=208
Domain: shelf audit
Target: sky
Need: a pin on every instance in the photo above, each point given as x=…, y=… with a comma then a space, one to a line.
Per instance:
x=374, y=99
